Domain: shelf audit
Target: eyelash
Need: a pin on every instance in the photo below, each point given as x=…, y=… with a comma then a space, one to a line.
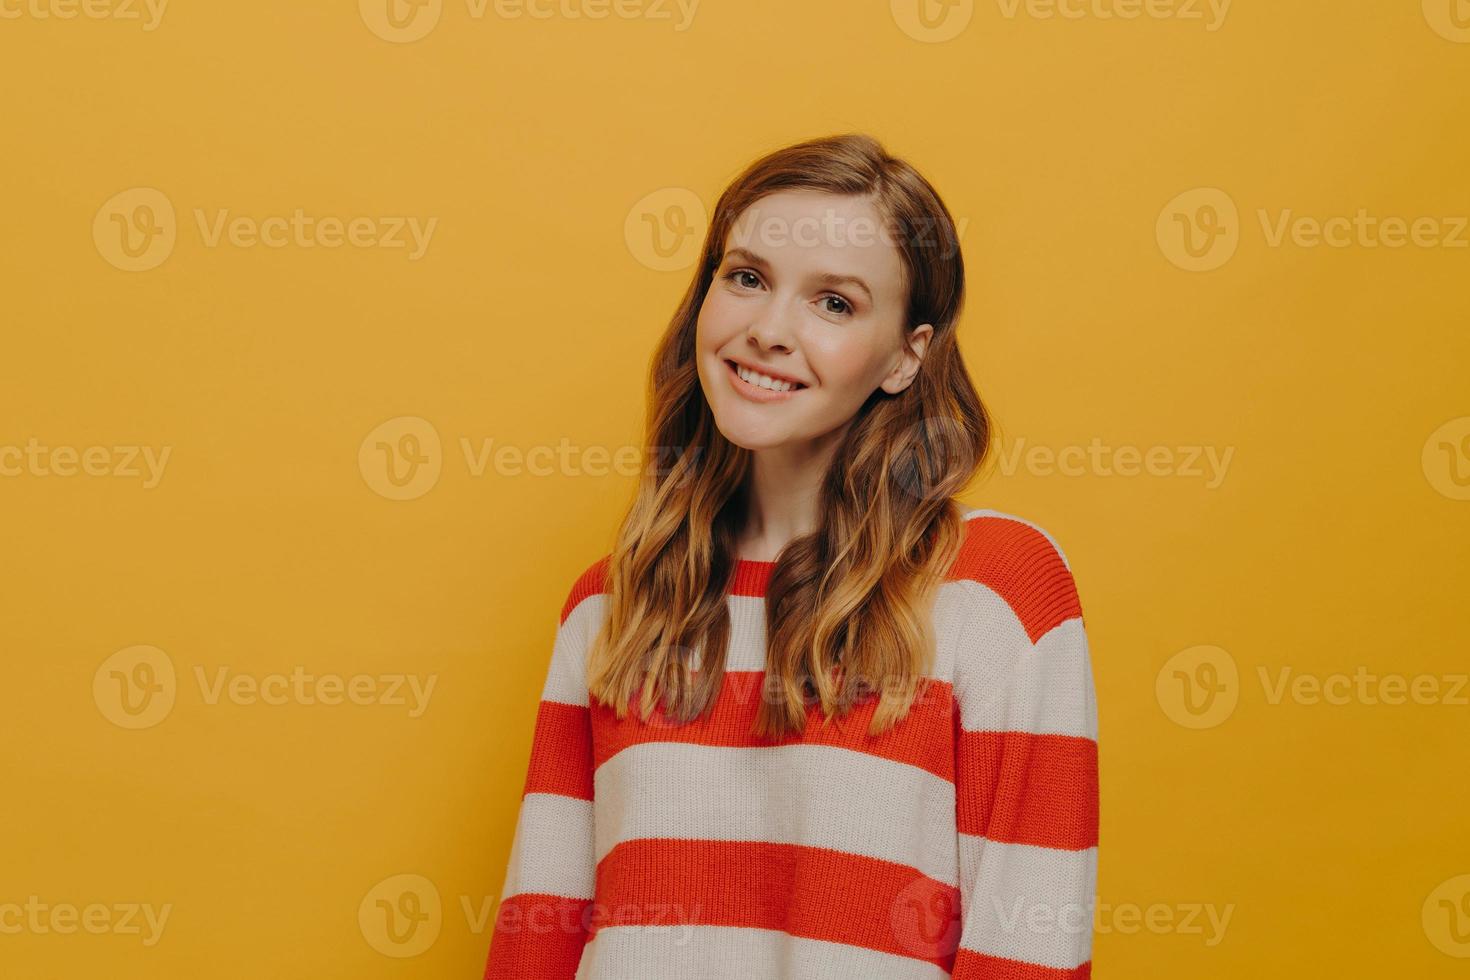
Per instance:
x=730, y=277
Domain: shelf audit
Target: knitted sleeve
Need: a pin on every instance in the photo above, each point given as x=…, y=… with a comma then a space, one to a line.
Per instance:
x=545, y=905
x=1026, y=782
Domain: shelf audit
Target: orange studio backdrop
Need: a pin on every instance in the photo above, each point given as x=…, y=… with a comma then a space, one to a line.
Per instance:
x=325, y=331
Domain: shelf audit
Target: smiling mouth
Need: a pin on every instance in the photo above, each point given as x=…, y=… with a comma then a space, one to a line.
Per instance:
x=783, y=387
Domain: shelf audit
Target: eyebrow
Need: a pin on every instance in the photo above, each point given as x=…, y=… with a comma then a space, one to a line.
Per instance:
x=825, y=278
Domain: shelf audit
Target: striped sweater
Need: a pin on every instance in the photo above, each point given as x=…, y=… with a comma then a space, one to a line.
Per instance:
x=962, y=842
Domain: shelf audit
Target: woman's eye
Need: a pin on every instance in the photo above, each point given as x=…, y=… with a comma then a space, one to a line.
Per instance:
x=747, y=279
x=846, y=307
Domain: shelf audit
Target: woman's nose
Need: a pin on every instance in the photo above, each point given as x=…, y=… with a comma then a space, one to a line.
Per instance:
x=773, y=328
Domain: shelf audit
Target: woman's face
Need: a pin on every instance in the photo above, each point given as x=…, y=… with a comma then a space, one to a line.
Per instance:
x=809, y=290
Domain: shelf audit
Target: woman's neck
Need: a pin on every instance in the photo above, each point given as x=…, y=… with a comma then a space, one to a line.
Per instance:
x=783, y=494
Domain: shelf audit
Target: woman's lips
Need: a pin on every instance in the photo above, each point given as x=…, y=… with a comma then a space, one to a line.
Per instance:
x=756, y=393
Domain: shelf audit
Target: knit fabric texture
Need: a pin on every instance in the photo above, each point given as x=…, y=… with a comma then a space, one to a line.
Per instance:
x=962, y=842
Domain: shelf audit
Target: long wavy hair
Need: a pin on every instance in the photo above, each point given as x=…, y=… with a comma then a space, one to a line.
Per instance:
x=847, y=606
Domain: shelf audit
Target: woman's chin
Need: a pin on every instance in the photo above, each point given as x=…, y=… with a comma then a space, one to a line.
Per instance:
x=753, y=436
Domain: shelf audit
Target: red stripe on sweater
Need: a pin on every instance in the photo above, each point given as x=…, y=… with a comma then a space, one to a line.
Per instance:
x=1015, y=560
x=812, y=892
x=1018, y=563
x=537, y=937
x=922, y=740
x=748, y=578
x=1027, y=789
x=591, y=582
x=970, y=965
x=751, y=578
x=561, y=752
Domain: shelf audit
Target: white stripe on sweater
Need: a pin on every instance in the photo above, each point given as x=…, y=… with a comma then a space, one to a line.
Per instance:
x=566, y=676
x=809, y=795
x=1004, y=683
x=551, y=853
x=973, y=626
x=1030, y=908
x=701, y=952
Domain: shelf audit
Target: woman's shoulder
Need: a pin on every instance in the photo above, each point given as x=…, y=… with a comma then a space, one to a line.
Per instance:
x=1019, y=562
x=590, y=582
x=997, y=536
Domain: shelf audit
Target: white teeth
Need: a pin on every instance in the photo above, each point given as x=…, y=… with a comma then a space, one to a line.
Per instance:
x=761, y=380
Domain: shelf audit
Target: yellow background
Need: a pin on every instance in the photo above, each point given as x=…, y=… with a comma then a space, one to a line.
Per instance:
x=1335, y=541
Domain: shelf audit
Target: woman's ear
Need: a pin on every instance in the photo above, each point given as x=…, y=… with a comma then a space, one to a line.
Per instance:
x=910, y=356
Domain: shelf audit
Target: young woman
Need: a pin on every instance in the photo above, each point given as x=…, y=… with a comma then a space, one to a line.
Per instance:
x=812, y=717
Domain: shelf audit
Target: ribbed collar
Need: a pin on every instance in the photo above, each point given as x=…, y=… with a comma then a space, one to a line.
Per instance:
x=751, y=577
